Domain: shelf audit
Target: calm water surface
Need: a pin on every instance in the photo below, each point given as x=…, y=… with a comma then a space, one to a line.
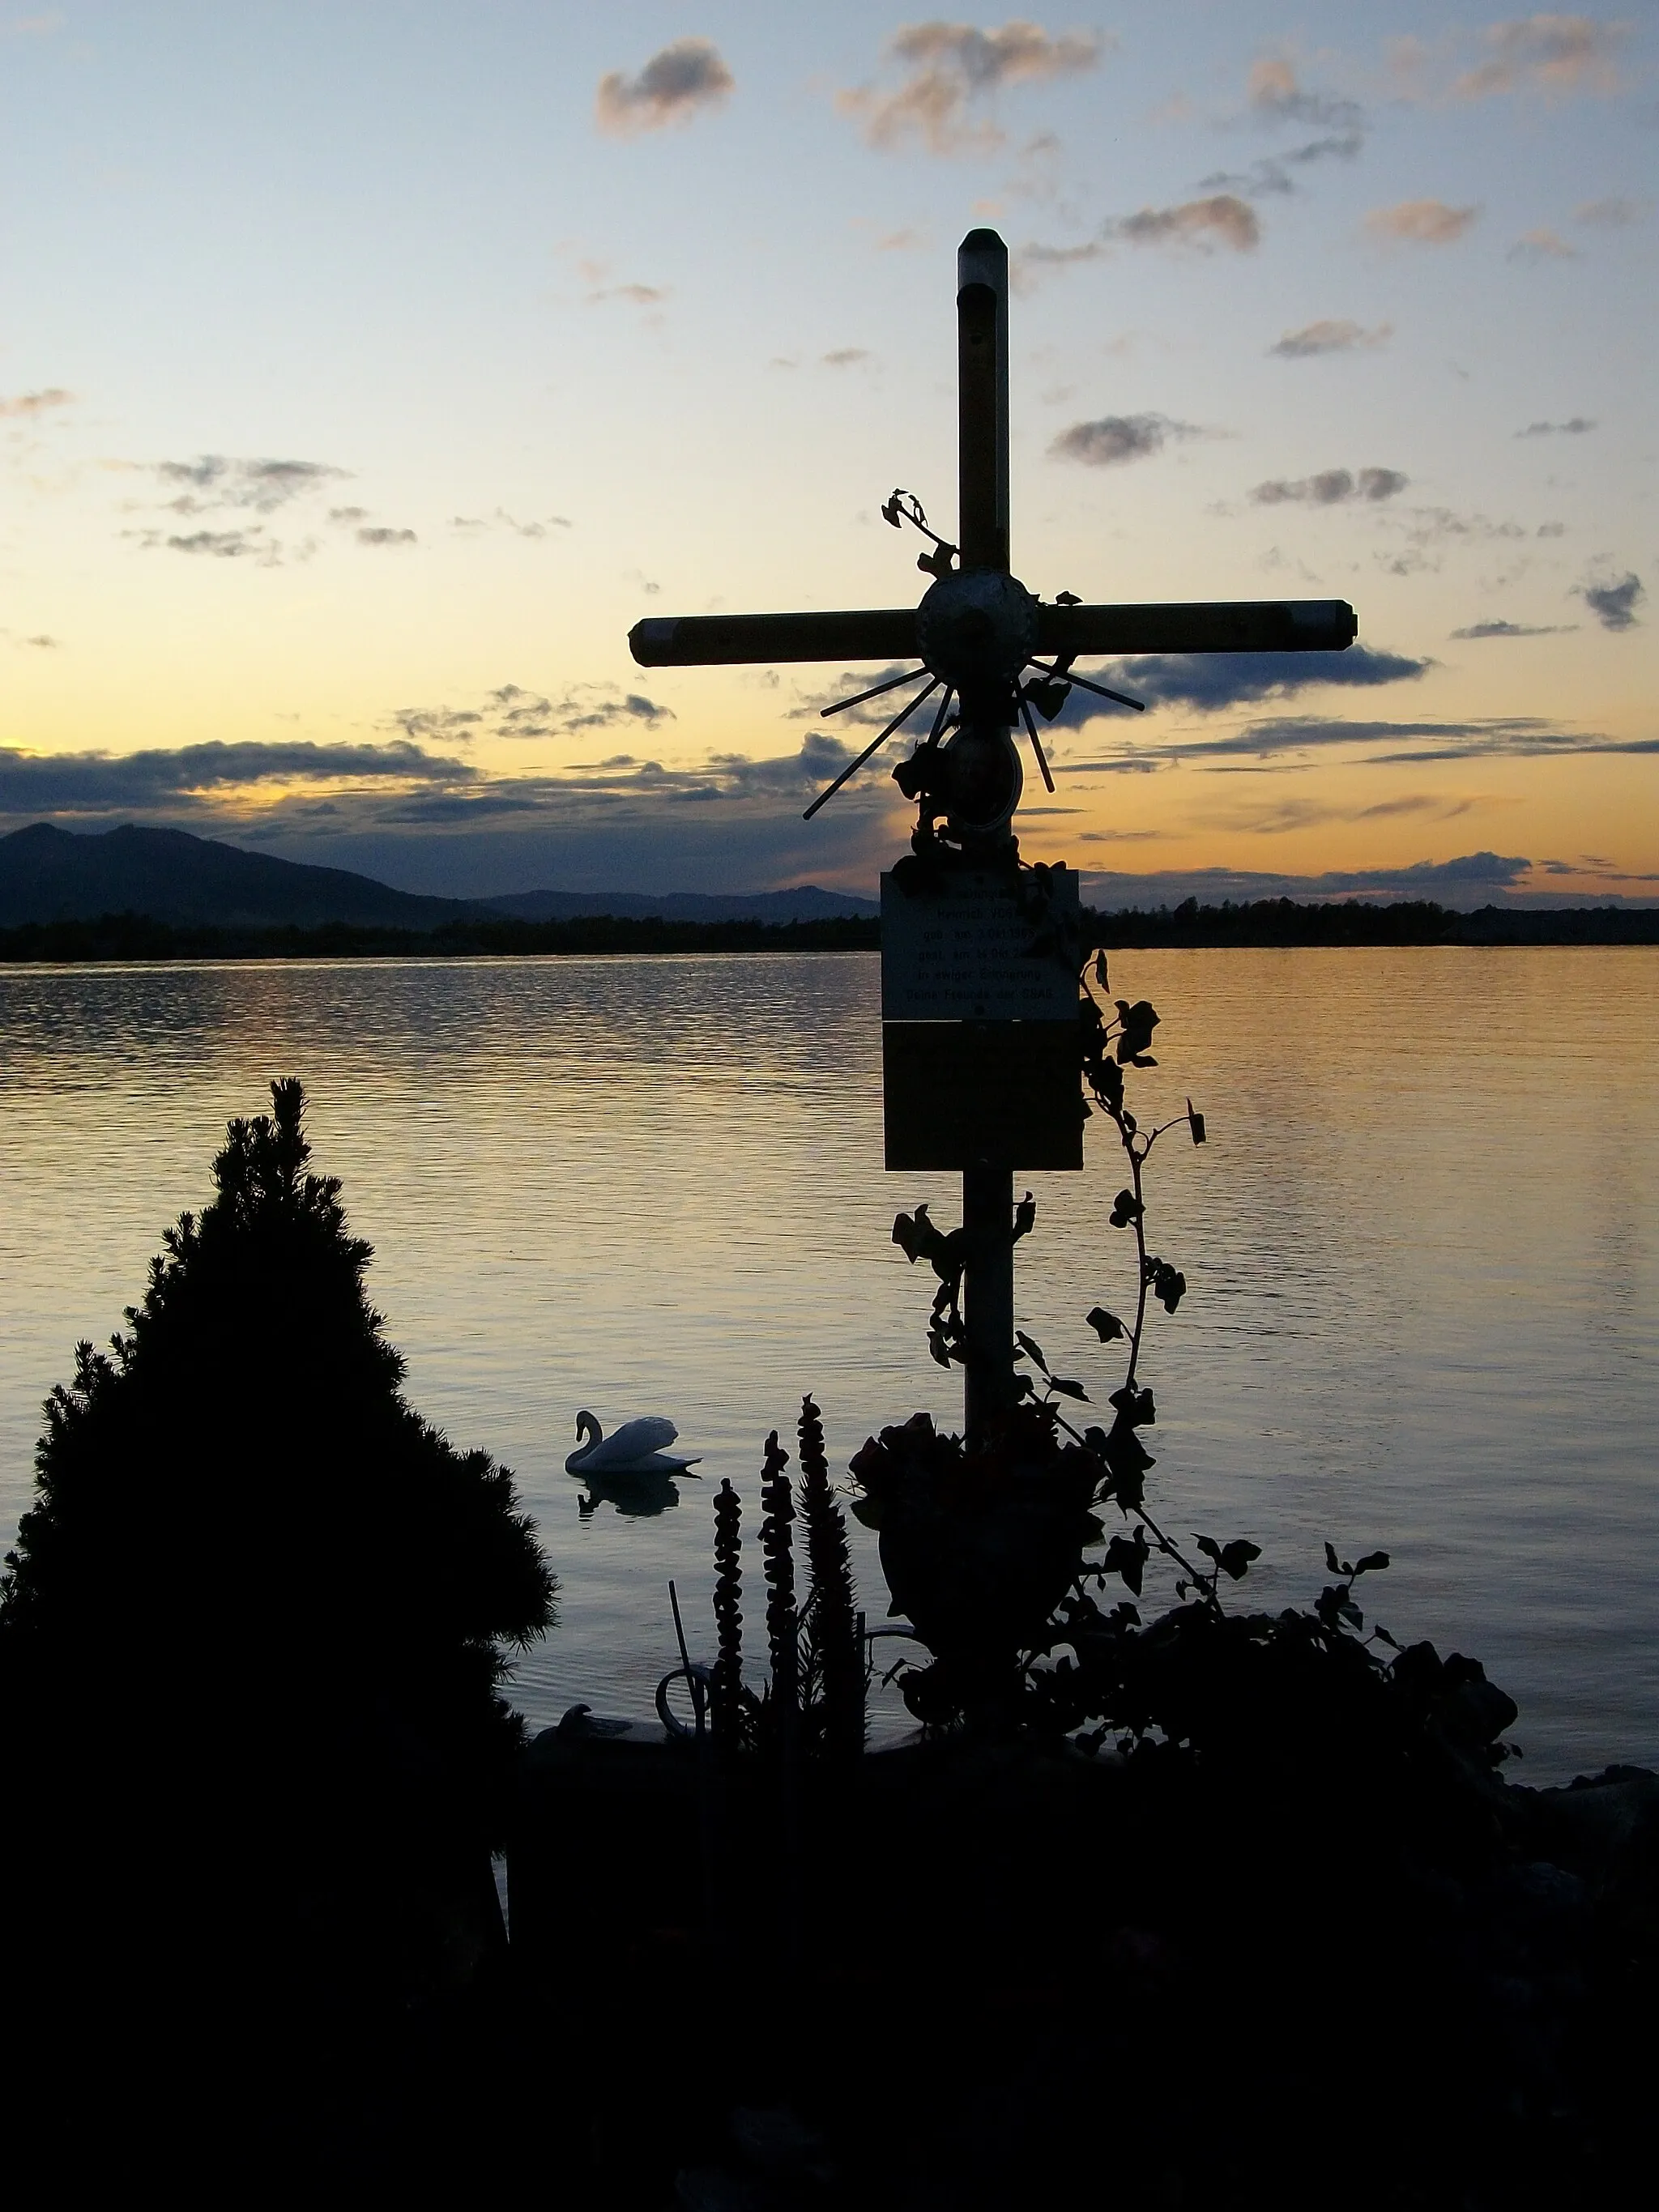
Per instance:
x=1423, y=1245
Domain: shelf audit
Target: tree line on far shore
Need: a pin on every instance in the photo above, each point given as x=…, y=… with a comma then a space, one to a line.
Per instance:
x=133, y=937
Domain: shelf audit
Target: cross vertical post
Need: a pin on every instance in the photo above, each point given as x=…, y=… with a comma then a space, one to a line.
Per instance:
x=987, y=1185
x=982, y=400
x=980, y=1070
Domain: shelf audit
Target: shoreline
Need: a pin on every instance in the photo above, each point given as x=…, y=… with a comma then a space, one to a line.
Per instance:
x=1267, y=924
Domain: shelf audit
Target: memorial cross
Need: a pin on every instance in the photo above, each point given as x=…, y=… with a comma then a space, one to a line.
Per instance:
x=978, y=975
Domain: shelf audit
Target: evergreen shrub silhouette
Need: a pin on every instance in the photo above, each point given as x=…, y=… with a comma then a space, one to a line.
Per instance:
x=257, y=1612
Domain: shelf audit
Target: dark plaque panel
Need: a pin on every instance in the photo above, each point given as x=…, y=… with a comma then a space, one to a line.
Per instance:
x=1007, y=1094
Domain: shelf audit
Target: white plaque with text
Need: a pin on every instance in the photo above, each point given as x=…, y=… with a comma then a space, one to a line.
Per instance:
x=973, y=953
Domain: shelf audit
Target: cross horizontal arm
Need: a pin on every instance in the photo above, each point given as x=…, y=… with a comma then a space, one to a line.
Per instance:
x=1213, y=626
x=705, y=640
x=890, y=633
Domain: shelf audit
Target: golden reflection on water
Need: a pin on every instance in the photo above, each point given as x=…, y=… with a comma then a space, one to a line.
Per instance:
x=1423, y=1244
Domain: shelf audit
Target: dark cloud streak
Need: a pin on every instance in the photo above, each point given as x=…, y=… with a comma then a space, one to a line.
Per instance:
x=685, y=79
x=1116, y=438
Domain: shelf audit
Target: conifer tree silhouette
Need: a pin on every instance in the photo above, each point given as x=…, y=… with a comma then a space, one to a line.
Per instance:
x=254, y=1631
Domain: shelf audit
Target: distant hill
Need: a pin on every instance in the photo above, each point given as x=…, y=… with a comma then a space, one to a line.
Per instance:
x=50, y=875
x=60, y=875
x=805, y=903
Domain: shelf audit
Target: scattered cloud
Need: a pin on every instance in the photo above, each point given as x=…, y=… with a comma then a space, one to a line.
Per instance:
x=636, y=295
x=846, y=356
x=1031, y=261
x=1544, y=245
x=1211, y=681
x=1514, y=736
x=378, y=534
x=46, y=644
x=1330, y=336
x=949, y=72
x=1223, y=219
x=1471, y=879
x=1272, y=176
x=1555, y=55
x=1514, y=629
x=1287, y=740
x=96, y=783
x=872, y=713
x=1116, y=438
x=1612, y=214
x=901, y=241
x=1421, y=222
x=1614, y=603
x=28, y=404
x=1574, y=427
x=1276, y=95
x=220, y=544
x=1430, y=531
x=1331, y=488
x=214, y=481
x=685, y=79
x=511, y=711
x=470, y=525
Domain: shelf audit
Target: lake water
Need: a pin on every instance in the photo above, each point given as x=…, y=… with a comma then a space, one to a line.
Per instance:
x=1423, y=1244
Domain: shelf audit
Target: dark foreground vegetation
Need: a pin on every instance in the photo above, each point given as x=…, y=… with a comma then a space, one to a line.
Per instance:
x=252, y=1744
x=134, y=937
x=1171, y=1902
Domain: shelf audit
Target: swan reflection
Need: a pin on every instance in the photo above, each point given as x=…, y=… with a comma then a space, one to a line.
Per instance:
x=636, y=1496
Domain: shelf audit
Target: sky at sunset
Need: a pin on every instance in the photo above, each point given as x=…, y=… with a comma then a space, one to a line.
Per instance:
x=367, y=369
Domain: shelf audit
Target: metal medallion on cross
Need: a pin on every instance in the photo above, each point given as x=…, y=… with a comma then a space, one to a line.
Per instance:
x=979, y=1057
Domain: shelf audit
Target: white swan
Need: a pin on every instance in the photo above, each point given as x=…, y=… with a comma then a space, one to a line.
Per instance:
x=635, y=1448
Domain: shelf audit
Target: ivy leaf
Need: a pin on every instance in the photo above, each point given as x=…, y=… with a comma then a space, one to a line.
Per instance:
x=1127, y=1557
x=1135, y=1409
x=1100, y=971
x=1126, y=1208
x=1333, y=1565
x=1031, y=1348
x=1067, y=1388
x=1195, y=1123
x=1106, y=1326
x=1136, y=1023
x=1235, y=1557
x=1127, y=1459
x=1371, y=1559
x=1024, y=1217
x=1209, y=1549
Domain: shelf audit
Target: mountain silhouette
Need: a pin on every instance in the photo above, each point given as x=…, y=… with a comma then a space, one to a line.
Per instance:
x=48, y=874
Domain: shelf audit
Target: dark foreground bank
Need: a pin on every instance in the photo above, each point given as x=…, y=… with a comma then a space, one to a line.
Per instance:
x=134, y=937
x=963, y=1978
